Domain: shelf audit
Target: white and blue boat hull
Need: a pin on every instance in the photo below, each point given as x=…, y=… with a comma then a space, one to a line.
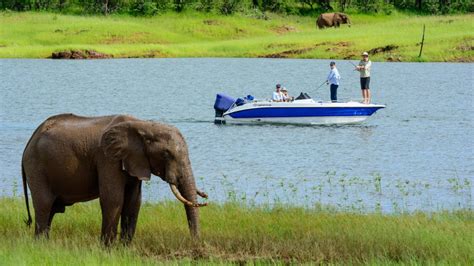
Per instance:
x=305, y=111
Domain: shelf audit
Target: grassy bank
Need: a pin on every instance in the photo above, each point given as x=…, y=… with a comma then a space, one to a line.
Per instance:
x=37, y=35
x=232, y=233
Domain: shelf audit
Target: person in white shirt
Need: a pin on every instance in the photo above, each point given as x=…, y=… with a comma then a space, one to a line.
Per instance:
x=277, y=95
x=333, y=79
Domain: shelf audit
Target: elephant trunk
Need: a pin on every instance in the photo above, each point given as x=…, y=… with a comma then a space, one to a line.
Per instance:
x=187, y=193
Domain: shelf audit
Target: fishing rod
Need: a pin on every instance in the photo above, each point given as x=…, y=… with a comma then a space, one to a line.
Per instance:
x=321, y=85
x=352, y=63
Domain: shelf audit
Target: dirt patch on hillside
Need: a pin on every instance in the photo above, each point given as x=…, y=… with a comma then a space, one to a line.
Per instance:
x=394, y=58
x=462, y=59
x=136, y=37
x=71, y=32
x=280, y=45
x=292, y=52
x=465, y=47
x=288, y=53
x=114, y=39
x=148, y=54
x=382, y=49
x=79, y=54
x=448, y=21
x=154, y=54
x=350, y=55
x=284, y=29
x=341, y=49
x=337, y=47
x=211, y=22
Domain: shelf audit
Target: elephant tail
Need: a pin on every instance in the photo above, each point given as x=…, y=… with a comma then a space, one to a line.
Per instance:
x=25, y=191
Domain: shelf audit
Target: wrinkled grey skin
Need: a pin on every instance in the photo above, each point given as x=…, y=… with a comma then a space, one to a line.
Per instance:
x=332, y=20
x=73, y=159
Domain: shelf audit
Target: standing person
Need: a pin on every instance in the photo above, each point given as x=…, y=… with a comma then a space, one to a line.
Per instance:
x=333, y=79
x=277, y=95
x=364, y=69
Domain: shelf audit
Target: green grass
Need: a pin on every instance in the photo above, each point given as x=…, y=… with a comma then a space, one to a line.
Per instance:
x=193, y=34
x=233, y=233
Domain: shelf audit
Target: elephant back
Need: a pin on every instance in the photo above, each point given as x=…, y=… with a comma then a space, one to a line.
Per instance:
x=325, y=20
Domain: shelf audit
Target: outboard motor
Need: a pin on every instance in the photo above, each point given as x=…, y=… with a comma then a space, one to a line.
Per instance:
x=222, y=104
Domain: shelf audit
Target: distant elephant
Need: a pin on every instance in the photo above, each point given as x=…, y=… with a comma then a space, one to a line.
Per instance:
x=332, y=20
x=71, y=159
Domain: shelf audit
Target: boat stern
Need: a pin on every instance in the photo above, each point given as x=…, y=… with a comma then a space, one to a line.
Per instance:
x=221, y=105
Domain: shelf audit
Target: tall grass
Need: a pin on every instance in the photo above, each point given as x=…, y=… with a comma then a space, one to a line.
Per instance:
x=193, y=34
x=235, y=233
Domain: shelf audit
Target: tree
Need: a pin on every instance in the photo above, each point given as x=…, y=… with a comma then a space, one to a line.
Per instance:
x=309, y=3
x=343, y=4
x=325, y=4
x=179, y=5
x=229, y=6
x=444, y=6
x=106, y=7
x=418, y=4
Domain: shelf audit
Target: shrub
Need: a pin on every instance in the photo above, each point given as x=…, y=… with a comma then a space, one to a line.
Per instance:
x=228, y=7
x=205, y=5
x=144, y=8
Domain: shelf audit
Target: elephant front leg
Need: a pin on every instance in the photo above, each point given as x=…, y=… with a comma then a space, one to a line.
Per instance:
x=112, y=184
x=130, y=210
x=111, y=210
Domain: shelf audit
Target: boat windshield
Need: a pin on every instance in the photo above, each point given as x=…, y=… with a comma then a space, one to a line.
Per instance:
x=303, y=96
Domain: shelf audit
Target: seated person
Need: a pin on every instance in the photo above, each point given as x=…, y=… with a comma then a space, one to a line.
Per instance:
x=286, y=97
x=277, y=95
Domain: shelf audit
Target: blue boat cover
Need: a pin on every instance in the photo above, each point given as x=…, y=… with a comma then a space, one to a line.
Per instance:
x=223, y=102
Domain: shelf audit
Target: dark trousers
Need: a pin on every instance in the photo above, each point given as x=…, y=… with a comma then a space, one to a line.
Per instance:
x=334, y=92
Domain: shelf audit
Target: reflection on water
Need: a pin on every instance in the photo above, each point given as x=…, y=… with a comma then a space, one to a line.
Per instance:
x=415, y=154
x=365, y=132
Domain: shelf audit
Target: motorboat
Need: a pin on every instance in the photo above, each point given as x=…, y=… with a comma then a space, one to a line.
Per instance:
x=302, y=110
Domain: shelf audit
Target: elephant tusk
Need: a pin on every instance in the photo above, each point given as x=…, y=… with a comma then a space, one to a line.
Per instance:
x=180, y=197
x=202, y=194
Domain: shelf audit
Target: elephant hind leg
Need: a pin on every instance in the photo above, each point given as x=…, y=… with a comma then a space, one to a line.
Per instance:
x=43, y=203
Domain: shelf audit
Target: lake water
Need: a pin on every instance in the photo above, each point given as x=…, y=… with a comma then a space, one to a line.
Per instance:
x=417, y=154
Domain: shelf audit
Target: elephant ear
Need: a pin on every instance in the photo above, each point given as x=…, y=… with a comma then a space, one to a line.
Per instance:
x=124, y=142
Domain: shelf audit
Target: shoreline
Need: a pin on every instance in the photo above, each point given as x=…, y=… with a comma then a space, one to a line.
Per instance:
x=32, y=35
x=151, y=58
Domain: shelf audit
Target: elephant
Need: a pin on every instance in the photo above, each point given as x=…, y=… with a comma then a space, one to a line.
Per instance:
x=332, y=20
x=71, y=159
